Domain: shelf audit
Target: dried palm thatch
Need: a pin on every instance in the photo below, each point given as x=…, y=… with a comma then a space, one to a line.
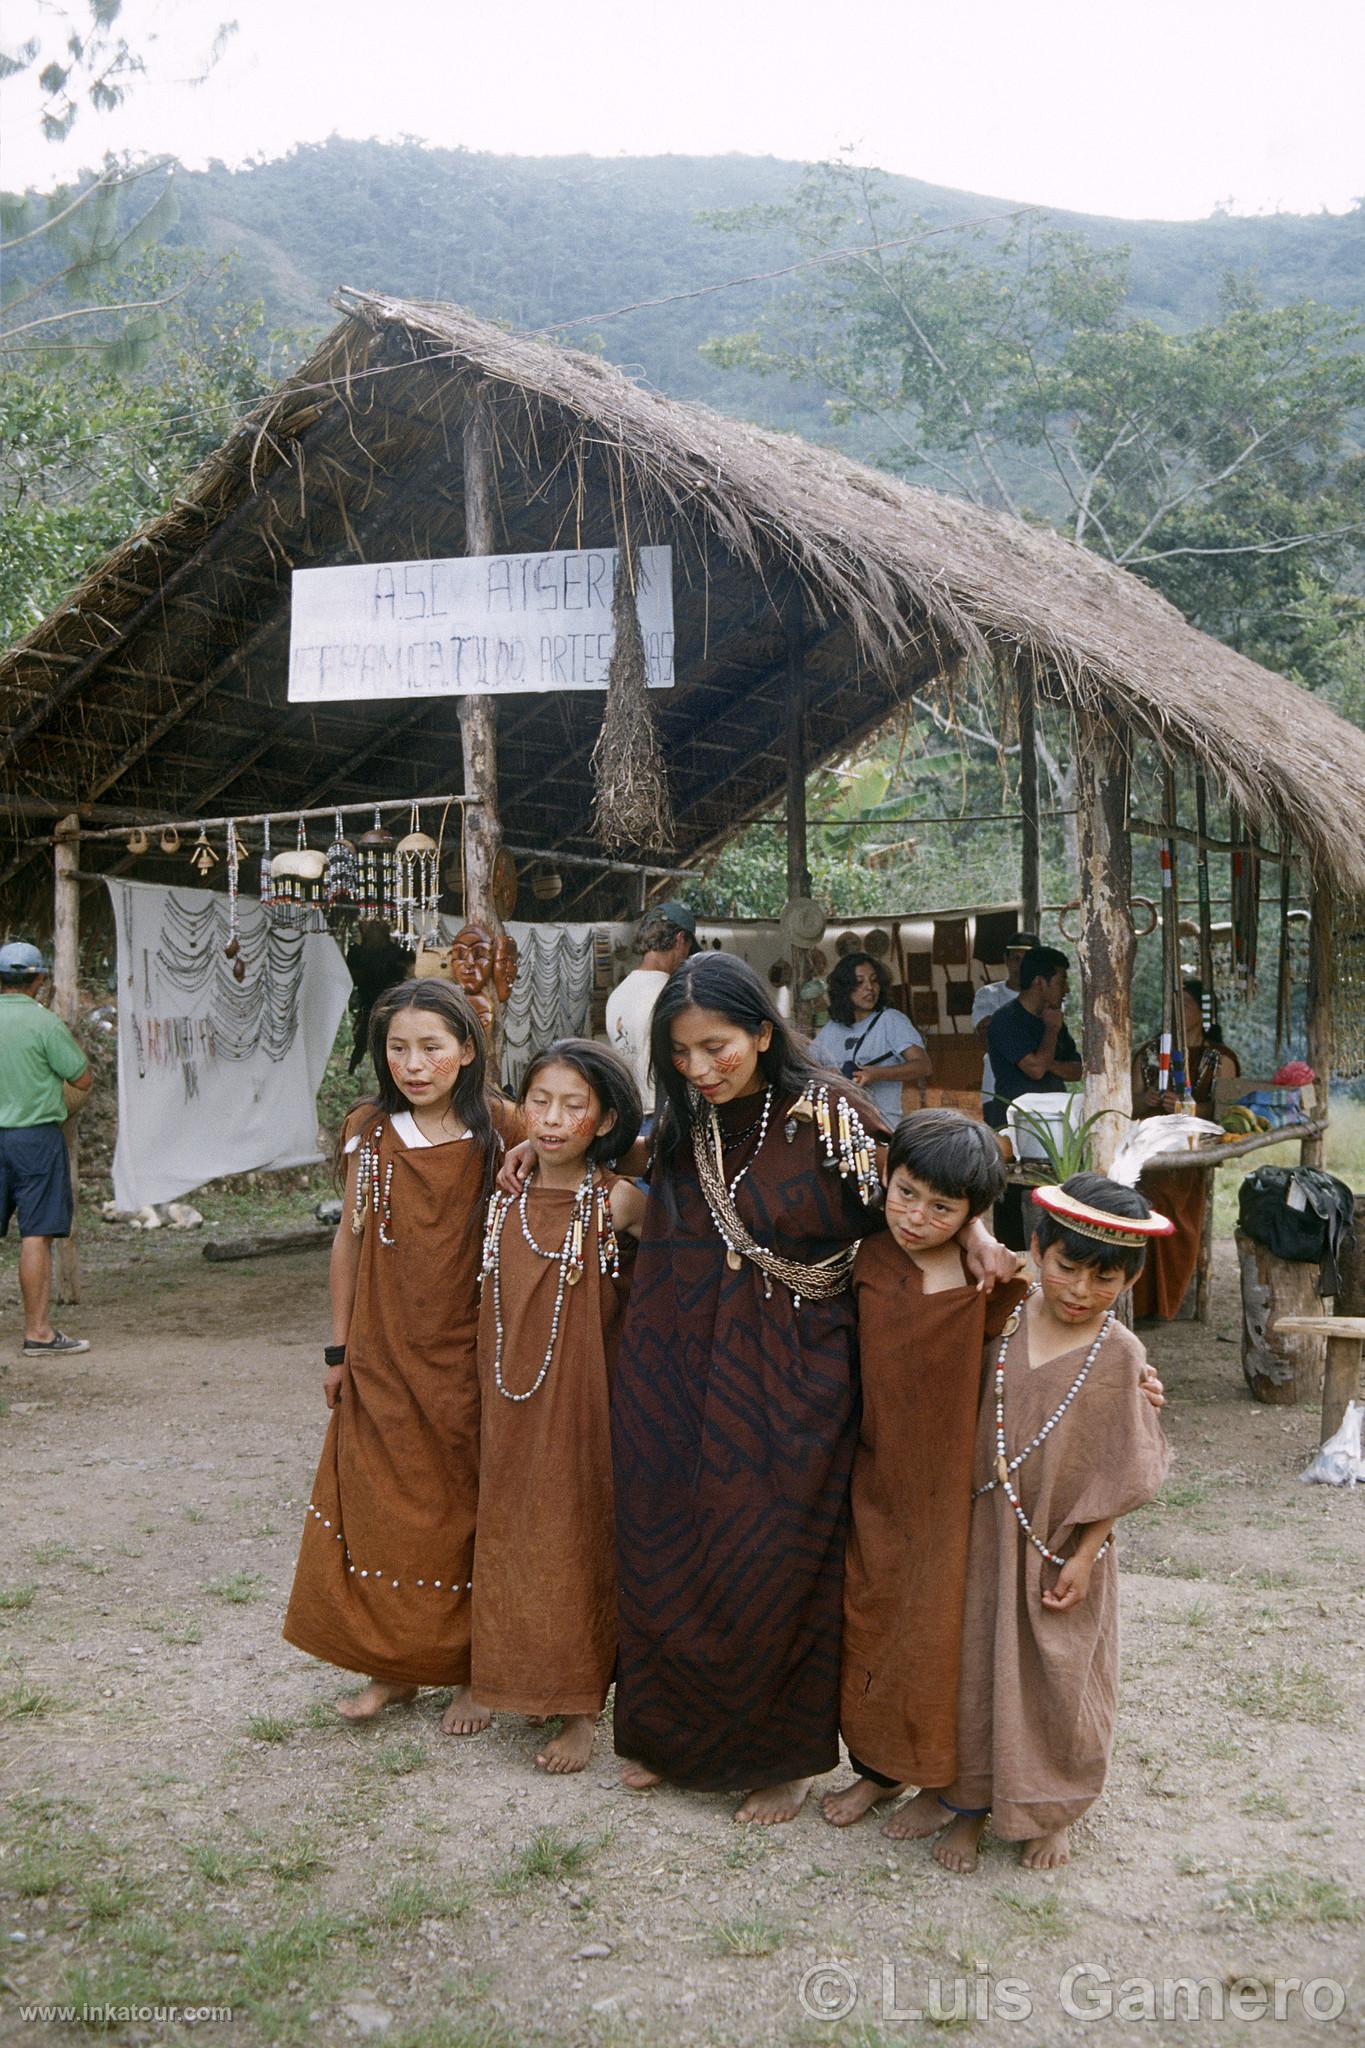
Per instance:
x=161, y=676
x=631, y=809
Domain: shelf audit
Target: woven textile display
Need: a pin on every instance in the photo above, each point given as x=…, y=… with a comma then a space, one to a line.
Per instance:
x=551, y=996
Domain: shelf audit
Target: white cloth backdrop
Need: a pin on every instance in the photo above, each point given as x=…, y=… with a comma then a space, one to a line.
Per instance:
x=214, y=1075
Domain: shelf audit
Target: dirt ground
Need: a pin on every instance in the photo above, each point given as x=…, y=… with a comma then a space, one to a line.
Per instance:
x=184, y=1821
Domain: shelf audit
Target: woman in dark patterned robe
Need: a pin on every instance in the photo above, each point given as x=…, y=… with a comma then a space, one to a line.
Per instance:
x=735, y=1405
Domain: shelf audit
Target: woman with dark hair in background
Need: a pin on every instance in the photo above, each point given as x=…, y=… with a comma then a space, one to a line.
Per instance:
x=865, y=1040
x=734, y=1408
x=1164, y=1281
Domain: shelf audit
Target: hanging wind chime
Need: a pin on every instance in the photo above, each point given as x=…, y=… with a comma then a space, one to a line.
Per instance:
x=202, y=855
x=341, y=881
x=417, y=887
x=375, y=850
x=267, y=884
x=296, y=881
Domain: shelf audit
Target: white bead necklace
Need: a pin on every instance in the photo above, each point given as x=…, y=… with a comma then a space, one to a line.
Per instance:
x=733, y=1258
x=569, y=1256
x=1004, y=1464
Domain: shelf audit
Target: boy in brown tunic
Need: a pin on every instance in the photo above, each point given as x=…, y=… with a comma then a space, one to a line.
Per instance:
x=921, y=1327
x=1065, y=1445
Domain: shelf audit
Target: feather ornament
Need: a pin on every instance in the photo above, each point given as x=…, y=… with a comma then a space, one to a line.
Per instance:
x=1157, y=1134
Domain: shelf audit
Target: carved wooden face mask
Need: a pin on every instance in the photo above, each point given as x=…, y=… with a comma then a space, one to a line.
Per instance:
x=471, y=959
x=504, y=965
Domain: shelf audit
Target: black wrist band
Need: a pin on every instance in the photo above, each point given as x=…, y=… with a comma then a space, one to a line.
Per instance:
x=333, y=1354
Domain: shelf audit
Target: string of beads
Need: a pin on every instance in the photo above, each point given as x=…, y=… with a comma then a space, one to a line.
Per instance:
x=1004, y=1464
x=591, y=1195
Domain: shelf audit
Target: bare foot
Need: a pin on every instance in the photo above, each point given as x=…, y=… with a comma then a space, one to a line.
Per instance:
x=957, y=1849
x=536, y=1720
x=1047, y=1852
x=464, y=1715
x=842, y=1808
x=378, y=1694
x=636, y=1778
x=571, y=1748
x=773, y=1803
x=923, y=1815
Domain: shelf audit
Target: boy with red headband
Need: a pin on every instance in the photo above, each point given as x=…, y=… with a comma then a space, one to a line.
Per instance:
x=1065, y=1445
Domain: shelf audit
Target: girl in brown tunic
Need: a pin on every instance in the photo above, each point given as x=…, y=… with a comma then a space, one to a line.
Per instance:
x=383, y=1578
x=921, y=1327
x=1065, y=1445
x=555, y=1273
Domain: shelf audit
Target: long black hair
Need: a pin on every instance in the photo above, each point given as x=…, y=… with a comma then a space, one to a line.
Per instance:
x=731, y=989
x=839, y=987
x=610, y=1080
x=471, y=1095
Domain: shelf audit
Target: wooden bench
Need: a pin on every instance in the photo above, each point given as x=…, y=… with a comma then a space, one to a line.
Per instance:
x=1341, y=1381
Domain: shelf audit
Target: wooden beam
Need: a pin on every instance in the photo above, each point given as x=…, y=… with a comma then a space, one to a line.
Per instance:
x=66, y=1002
x=479, y=715
x=1320, y=1034
x=1030, y=849
x=794, y=707
x=1106, y=944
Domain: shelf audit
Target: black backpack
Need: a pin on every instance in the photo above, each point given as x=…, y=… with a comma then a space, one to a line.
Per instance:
x=1307, y=1232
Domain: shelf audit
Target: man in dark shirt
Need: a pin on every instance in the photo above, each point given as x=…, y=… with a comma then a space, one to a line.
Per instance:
x=1032, y=1053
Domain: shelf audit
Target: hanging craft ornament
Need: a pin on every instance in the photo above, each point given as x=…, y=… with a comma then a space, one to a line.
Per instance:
x=632, y=807
x=233, y=948
x=170, y=840
x=267, y=885
x=375, y=849
x=137, y=840
x=341, y=880
x=296, y=884
x=417, y=888
x=202, y=855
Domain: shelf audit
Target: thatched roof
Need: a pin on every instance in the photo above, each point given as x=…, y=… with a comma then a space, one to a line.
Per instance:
x=160, y=684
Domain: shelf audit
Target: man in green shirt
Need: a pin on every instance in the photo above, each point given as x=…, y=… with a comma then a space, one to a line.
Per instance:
x=37, y=1054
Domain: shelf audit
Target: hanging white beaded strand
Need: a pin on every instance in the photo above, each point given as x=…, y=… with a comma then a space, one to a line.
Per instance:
x=1004, y=1464
x=734, y=1259
x=569, y=1252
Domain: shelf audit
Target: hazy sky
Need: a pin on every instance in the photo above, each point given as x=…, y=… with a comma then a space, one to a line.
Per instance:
x=1166, y=109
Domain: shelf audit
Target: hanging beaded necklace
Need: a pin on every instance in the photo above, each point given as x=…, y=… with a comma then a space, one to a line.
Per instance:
x=1004, y=1464
x=370, y=1191
x=591, y=1194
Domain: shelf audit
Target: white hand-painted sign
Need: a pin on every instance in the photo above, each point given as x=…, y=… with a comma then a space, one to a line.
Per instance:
x=474, y=625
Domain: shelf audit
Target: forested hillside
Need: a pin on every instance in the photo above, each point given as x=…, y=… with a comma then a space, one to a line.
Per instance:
x=536, y=241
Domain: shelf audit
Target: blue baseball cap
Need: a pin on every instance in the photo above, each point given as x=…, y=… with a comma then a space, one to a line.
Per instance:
x=19, y=961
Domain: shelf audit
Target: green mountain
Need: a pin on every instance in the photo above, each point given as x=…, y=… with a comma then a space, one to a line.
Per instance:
x=542, y=240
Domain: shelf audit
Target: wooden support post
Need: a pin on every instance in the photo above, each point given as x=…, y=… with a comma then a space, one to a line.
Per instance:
x=1030, y=851
x=1203, y=1272
x=66, y=1002
x=1105, y=946
x=478, y=715
x=798, y=872
x=1313, y=1150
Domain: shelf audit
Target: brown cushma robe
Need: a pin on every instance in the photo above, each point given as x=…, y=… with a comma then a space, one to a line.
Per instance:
x=734, y=1416
x=382, y=1582
x=906, y=1567
x=1040, y=1689
x=544, y=1600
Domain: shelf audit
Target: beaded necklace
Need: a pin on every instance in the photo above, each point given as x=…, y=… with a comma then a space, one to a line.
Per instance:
x=1004, y=1464
x=590, y=1194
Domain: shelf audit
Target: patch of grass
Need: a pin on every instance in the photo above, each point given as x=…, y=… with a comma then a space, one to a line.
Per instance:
x=23, y=1702
x=109, y=1898
x=1222, y=1747
x=322, y=1714
x=195, y=1515
x=1042, y=1913
x=411, y=1900
x=291, y=1967
x=1287, y=1693
x=51, y=1551
x=98, y=1989
x=181, y=1629
x=13, y=1599
x=1268, y=1801
x=37, y=1873
x=457, y=2030
x=1287, y=1896
x=401, y=1759
x=1187, y=1493
x=125, y=1550
x=751, y=1848
x=238, y=1589
x=1275, y=1581
x=751, y=1934
x=297, y=1860
x=546, y=1856
x=269, y=1728
x=1197, y=1617
x=217, y=1865
x=1187, y=1864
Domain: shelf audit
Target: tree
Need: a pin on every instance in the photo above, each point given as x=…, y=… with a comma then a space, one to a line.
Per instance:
x=998, y=359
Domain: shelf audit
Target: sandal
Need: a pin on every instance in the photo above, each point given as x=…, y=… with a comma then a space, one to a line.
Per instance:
x=57, y=1342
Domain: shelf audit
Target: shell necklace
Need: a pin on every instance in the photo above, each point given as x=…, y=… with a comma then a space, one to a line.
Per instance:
x=1004, y=1464
x=591, y=1193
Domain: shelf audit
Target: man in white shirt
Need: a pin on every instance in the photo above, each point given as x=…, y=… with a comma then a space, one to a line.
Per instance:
x=664, y=938
x=993, y=996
